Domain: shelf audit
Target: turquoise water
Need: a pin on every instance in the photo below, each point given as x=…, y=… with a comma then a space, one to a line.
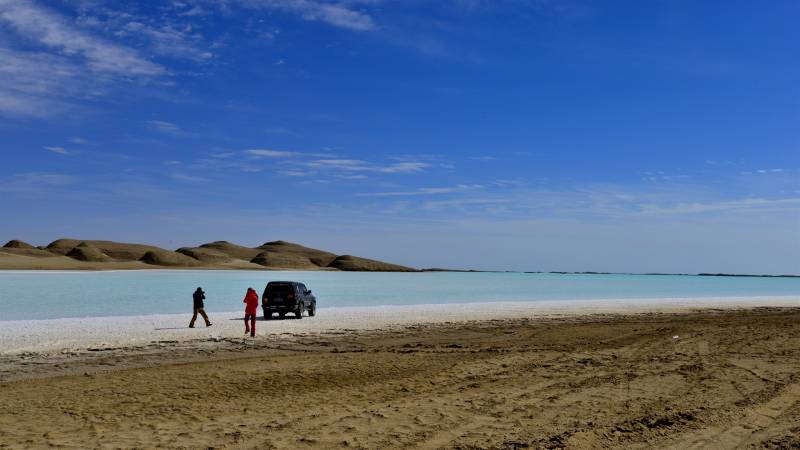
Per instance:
x=50, y=295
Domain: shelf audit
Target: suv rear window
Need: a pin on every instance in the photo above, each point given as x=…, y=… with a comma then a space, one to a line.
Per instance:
x=278, y=290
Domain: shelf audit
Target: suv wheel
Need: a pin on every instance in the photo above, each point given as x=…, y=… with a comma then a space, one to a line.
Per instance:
x=312, y=310
x=298, y=313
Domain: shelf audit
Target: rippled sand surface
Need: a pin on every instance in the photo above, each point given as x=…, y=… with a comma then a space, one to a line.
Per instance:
x=704, y=379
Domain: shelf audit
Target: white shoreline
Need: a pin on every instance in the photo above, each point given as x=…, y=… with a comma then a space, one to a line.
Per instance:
x=53, y=335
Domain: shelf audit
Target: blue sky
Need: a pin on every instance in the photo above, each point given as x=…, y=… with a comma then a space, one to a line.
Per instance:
x=527, y=135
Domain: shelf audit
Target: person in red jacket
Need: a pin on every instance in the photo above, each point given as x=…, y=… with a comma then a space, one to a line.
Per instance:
x=250, y=309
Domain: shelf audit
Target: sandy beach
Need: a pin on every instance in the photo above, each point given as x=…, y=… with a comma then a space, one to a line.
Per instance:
x=105, y=333
x=686, y=376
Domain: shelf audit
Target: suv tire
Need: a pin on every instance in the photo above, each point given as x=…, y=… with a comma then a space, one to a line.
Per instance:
x=298, y=313
x=312, y=310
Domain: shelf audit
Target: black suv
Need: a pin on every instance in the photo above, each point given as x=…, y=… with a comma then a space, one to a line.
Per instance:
x=287, y=296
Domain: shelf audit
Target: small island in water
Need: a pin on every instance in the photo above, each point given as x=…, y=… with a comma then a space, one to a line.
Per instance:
x=76, y=254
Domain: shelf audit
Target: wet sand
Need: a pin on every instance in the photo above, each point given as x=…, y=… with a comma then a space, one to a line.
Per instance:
x=708, y=379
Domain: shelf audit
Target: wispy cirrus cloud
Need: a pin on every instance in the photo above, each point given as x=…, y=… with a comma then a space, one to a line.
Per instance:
x=162, y=126
x=52, y=62
x=357, y=165
x=338, y=14
x=52, y=30
x=37, y=84
x=267, y=153
x=762, y=171
x=738, y=205
x=425, y=191
x=271, y=153
x=55, y=149
x=168, y=40
x=172, y=33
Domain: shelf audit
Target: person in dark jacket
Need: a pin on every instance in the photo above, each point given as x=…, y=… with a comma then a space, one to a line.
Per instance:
x=199, y=296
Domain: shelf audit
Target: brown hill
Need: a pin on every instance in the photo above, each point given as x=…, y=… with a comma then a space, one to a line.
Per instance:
x=117, y=250
x=15, y=243
x=85, y=252
x=97, y=254
x=319, y=258
x=35, y=252
x=233, y=250
x=283, y=261
x=354, y=263
x=168, y=258
x=206, y=255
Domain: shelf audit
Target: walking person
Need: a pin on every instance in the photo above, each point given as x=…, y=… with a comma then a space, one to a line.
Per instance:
x=250, y=309
x=198, y=297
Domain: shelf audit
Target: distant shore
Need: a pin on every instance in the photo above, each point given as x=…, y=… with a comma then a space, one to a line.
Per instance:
x=64, y=264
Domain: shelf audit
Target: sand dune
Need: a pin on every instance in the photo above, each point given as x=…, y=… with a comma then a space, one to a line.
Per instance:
x=116, y=250
x=15, y=243
x=167, y=258
x=71, y=254
x=233, y=250
x=348, y=262
x=206, y=255
x=273, y=259
x=317, y=257
x=86, y=252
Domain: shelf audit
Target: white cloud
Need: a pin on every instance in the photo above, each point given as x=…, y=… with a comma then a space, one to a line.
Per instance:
x=466, y=202
x=165, y=127
x=59, y=150
x=336, y=14
x=54, y=62
x=34, y=83
x=78, y=140
x=189, y=178
x=52, y=30
x=661, y=176
x=357, y=165
x=297, y=173
x=740, y=205
x=425, y=191
x=167, y=39
x=267, y=153
x=404, y=167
